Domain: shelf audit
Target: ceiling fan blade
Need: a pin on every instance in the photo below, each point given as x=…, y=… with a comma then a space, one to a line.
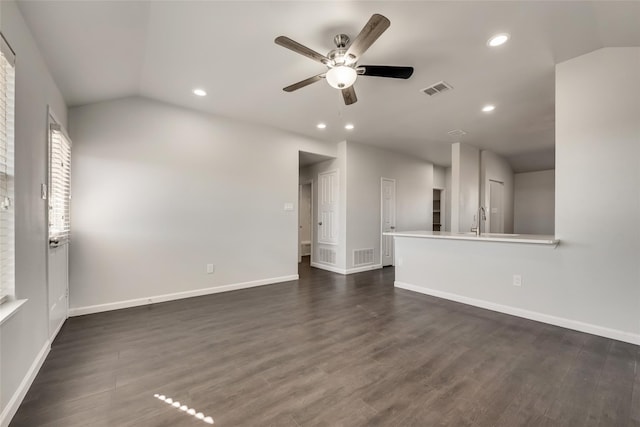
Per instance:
x=349, y=95
x=301, y=49
x=303, y=83
x=386, y=71
x=372, y=30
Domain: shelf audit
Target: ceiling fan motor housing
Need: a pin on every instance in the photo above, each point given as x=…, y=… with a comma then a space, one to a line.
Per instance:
x=341, y=40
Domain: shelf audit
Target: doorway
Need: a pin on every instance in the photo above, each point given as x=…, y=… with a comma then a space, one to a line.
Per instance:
x=387, y=219
x=496, y=206
x=305, y=204
x=438, y=209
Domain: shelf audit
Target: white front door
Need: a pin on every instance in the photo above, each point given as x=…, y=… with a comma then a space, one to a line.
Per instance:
x=58, y=283
x=496, y=207
x=328, y=198
x=387, y=218
x=57, y=220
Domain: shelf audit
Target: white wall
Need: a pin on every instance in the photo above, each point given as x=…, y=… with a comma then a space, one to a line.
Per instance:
x=598, y=183
x=534, y=202
x=439, y=177
x=25, y=335
x=465, y=186
x=591, y=281
x=160, y=191
x=496, y=168
x=447, y=201
x=414, y=195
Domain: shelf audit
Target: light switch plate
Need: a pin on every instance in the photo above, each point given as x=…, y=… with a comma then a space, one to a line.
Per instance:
x=517, y=280
x=288, y=206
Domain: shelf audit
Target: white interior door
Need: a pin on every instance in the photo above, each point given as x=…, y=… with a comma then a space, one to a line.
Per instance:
x=328, y=198
x=496, y=207
x=387, y=218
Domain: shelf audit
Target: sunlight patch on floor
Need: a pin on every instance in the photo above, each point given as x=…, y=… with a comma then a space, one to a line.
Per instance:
x=184, y=408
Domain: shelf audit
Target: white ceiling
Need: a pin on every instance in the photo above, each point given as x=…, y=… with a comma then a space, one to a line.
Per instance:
x=163, y=49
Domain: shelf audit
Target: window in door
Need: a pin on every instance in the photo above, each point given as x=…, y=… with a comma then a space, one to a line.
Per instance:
x=59, y=186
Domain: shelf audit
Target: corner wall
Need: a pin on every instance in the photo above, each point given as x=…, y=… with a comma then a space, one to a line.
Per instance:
x=534, y=202
x=161, y=191
x=366, y=165
x=24, y=338
x=598, y=185
x=591, y=281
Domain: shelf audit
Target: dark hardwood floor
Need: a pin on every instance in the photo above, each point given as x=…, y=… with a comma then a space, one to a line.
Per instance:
x=334, y=351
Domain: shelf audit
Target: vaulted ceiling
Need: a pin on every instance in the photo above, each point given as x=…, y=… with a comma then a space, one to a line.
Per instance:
x=100, y=50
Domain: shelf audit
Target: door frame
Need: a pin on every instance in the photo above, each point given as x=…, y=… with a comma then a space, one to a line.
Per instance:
x=443, y=209
x=311, y=224
x=395, y=188
x=488, y=203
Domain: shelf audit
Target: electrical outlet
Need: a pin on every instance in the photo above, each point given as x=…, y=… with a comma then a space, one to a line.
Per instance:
x=517, y=280
x=210, y=268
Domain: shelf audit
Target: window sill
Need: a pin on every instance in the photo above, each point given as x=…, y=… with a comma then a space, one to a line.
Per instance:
x=10, y=308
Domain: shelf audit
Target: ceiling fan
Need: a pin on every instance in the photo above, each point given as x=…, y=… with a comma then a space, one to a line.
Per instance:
x=342, y=61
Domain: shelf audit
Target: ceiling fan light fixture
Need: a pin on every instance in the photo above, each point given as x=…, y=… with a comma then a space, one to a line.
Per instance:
x=341, y=77
x=498, y=40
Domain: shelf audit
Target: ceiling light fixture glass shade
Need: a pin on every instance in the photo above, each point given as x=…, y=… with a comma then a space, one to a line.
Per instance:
x=341, y=77
x=498, y=39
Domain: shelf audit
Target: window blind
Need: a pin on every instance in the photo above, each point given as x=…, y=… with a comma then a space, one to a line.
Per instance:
x=59, y=186
x=7, y=103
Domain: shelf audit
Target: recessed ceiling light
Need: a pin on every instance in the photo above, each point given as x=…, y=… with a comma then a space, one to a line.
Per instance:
x=321, y=126
x=488, y=108
x=199, y=92
x=498, y=39
x=349, y=126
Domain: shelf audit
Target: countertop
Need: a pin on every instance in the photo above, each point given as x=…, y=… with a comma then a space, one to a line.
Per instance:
x=485, y=237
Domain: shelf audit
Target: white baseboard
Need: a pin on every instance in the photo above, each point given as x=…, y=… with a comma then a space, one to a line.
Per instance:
x=345, y=271
x=364, y=268
x=79, y=311
x=328, y=268
x=527, y=314
x=15, y=401
x=57, y=331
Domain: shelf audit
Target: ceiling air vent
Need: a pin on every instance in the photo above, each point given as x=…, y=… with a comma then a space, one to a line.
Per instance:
x=457, y=133
x=437, y=88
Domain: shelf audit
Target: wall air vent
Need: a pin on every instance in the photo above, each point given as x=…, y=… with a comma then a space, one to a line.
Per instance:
x=326, y=256
x=362, y=257
x=437, y=88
